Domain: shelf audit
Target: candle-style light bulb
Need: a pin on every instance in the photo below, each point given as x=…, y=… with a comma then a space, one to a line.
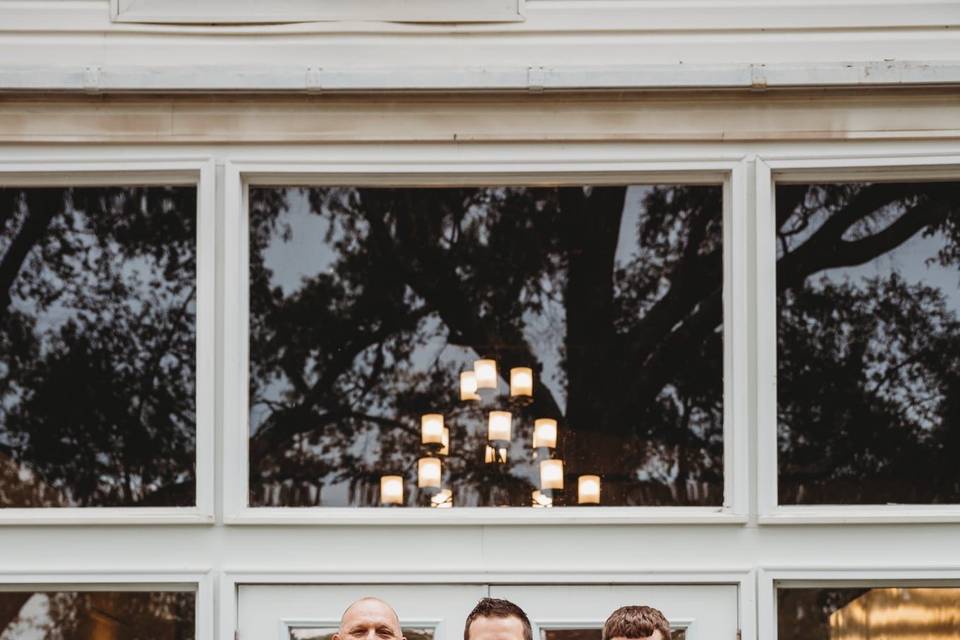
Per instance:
x=485, y=371
x=551, y=474
x=545, y=433
x=431, y=428
x=499, y=426
x=521, y=382
x=391, y=490
x=588, y=490
x=491, y=455
x=429, y=473
x=539, y=500
x=468, y=385
x=445, y=442
x=443, y=499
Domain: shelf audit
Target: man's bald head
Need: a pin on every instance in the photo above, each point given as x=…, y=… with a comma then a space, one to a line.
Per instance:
x=369, y=619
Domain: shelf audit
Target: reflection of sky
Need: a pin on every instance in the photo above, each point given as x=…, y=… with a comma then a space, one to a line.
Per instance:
x=32, y=622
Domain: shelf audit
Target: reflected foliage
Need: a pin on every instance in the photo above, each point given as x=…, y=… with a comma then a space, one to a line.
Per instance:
x=128, y=615
x=869, y=343
x=97, y=296
x=367, y=303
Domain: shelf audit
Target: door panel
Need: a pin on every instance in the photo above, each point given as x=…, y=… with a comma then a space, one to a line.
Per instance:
x=283, y=612
x=438, y=611
x=697, y=612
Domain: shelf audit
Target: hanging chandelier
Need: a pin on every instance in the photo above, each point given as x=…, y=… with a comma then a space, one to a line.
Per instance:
x=482, y=384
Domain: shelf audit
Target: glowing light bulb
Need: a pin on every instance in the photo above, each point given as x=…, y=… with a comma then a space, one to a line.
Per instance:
x=521, y=382
x=588, y=490
x=551, y=474
x=391, y=489
x=468, y=386
x=545, y=433
x=429, y=473
x=486, y=373
x=500, y=425
x=431, y=428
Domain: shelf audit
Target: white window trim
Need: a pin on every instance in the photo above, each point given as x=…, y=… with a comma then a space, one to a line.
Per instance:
x=504, y=164
x=197, y=172
x=770, y=578
x=744, y=579
x=226, y=12
x=127, y=580
x=289, y=624
x=681, y=624
x=826, y=168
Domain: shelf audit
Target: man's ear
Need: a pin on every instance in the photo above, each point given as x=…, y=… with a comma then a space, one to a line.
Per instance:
x=335, y=636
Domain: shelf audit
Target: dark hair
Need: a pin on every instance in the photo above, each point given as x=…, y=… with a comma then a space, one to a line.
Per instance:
x=497, y=608
x=635, y=622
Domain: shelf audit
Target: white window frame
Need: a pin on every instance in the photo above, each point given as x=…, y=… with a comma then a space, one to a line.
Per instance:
x=506, y=164
x=769, y=579
x=227, y=12
x=820, y=168
x=197, y=172
x=744, y=579
x=201, y=581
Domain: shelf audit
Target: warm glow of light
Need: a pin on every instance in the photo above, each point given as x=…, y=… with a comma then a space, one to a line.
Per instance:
x=541, y=501
x=489, y=455
x=445, y=441
x=431, y=428
x=391, y=490
x=551, y=474
x=521, y=381
x=486, y=373
x=443, y=500
x=500, y=425
x=588, y=490
x=468, y=386
x=545, y=433
x=429, y=472
x=899, y=613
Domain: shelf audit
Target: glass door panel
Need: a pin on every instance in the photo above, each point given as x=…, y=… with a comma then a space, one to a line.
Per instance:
x=695, y=612
x=312, y=612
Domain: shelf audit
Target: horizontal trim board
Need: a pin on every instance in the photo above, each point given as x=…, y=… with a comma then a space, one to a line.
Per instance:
x=702, y=117
x=106, y=79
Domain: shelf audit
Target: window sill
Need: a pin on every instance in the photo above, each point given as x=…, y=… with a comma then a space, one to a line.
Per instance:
x=486, y=516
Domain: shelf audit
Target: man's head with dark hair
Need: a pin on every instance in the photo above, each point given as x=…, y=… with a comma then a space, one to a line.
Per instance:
x=636, y=623
x=495, y=619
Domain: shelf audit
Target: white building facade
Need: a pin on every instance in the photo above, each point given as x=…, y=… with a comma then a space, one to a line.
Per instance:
x=233, y=105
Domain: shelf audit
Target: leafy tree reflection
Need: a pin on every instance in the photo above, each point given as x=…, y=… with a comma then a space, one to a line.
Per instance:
x=614, y=296
x=608, y=293
x=97, y=295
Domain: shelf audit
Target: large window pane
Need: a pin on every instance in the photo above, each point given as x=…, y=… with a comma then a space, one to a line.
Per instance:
x=97, y=615
x=97, y=305
x=367, y=304
x=869, y=343
x=890, y=613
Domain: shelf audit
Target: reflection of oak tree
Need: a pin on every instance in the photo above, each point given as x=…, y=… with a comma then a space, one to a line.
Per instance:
x=121, y=615
x=96, y=352
x=642, y=342
x=869, y=372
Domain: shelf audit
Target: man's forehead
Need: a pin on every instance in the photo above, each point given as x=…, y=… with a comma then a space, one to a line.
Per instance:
x=369, y=609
